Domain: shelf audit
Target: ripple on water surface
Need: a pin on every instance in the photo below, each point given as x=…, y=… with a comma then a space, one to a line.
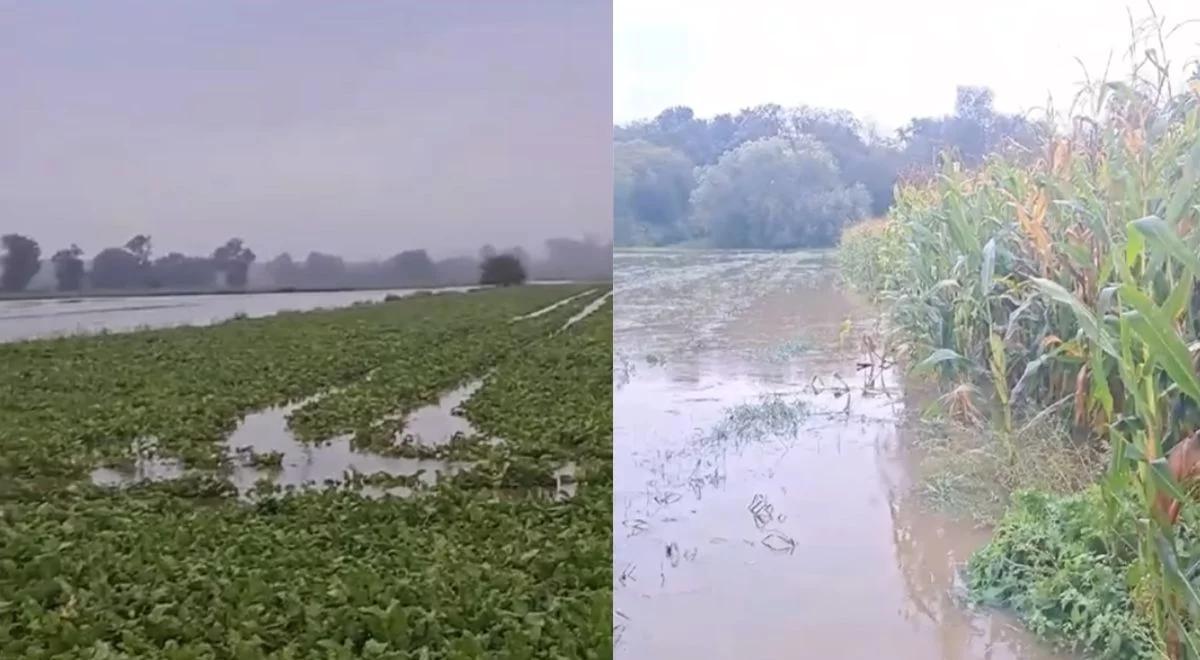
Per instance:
x=756, y=465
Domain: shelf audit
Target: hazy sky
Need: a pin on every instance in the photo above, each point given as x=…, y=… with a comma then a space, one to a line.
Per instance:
x=360, y=128
x=886, y=60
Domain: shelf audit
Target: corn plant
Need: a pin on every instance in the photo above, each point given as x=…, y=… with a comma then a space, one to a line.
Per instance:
x=1064, y=279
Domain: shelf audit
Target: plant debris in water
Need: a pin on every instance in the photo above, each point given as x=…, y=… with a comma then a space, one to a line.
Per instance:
x=772, y=417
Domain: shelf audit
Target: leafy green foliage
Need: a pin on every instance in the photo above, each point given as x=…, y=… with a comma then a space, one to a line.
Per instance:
x=317, y=575
x=1050, y=560
x=71, y=403
x=483, y=564
x=552, y=406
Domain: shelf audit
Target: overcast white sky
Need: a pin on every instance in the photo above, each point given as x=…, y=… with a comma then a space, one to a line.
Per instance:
x=881, y=59
x=359, y=128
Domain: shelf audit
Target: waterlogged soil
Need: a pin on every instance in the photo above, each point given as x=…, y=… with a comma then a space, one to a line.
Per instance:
x=305, y=464
x=33, y=319
x=762, y=503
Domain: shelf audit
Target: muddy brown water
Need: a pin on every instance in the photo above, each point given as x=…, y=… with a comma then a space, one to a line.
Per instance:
x=760, y=514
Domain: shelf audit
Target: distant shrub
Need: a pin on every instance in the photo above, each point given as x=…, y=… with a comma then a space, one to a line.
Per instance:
x=502, y=270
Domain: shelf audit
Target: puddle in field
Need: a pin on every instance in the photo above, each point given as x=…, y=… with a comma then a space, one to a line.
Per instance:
x=315, y=464
x=553, y=306
x=755, y=464
x=436, y=423
x=328, y=463
x=587, y=311
x=565, y=484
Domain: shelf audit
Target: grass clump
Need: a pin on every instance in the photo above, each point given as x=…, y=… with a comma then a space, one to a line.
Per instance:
x=973, y=471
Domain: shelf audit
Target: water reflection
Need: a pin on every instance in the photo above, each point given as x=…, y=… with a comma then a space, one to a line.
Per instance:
x=30, y=319
x=295, y=463
x=722, y=496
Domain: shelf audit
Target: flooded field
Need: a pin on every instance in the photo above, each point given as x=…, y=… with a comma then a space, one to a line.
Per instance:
x=761, y=496
x=423, y=476
x=29, y=319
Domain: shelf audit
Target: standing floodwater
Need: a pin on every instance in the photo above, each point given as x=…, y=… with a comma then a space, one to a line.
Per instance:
x=762, y=504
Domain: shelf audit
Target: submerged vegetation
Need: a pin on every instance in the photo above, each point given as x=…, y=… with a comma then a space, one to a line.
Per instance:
x=481, y=562
x=1060, y=281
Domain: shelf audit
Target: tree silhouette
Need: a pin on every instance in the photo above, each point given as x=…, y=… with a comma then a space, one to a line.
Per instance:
x=178, y=270
x=139, y=246
x=68, y=268
x=234, y=259
x=118, y=268
x=502, y=270
x=21, y=261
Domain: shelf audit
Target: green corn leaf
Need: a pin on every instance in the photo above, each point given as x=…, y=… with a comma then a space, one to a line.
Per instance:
x=1016, y=315
x=1133, y=451
x=1170, y=563
x=1031, y=369
x=1087, y=321
x=1161, y=474
x=937, y=357
x=1168, y=350
x=1134, y=245
x=1185, y=188
x=987, y=269
x=1159, y=234
x=1099, y=390
x=1178, y=299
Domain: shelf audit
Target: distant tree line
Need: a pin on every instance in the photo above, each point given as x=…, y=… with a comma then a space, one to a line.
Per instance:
x=231, y=265
x=776, y=177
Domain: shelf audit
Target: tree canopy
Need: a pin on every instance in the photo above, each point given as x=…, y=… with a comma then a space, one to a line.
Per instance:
x=775, y=193
x=654, y=159
x=502, y=270
x=21, y=261
x=234, y=259
x=68, y=268
x=650, y=192
x=133, y=266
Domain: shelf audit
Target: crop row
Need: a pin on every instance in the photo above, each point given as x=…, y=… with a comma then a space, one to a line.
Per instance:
x=459, y=573
x=177, y=570
x=69, y=404
x=417, y=376
x=551, y=406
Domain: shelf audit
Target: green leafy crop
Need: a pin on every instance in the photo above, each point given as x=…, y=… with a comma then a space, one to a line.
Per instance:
x=485, y=563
